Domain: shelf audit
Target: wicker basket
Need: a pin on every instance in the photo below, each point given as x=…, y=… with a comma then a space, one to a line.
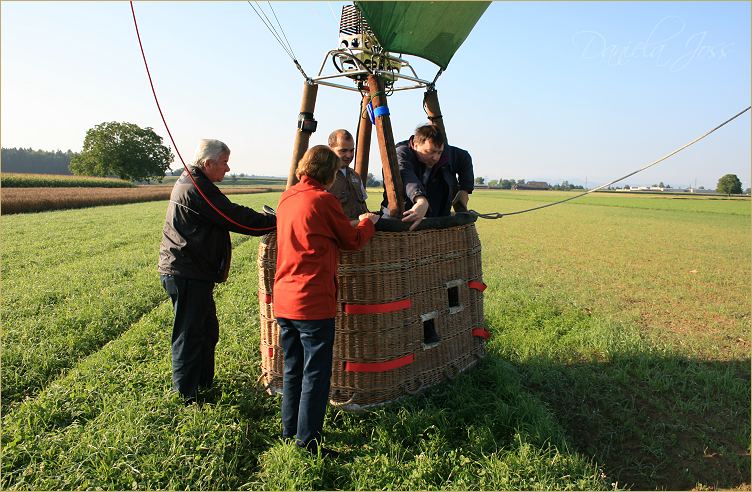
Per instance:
x=388, y=290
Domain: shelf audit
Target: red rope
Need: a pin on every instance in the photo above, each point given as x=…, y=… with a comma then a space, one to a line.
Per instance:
x=477, y=285
x=477, y=332
x=379, y=366
x=377, y=308
x=267, y=350
x=173, y=140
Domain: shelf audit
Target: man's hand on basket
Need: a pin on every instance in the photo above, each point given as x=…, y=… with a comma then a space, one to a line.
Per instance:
x=416, y=214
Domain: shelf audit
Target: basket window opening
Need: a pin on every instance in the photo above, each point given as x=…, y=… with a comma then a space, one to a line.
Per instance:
x=454, y=296
x=429, y=332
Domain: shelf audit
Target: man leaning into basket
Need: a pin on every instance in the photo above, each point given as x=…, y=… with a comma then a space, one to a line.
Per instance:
x=435, y=176
x=194, y=255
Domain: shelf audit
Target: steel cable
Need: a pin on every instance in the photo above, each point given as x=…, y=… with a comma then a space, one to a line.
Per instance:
x=498, y=215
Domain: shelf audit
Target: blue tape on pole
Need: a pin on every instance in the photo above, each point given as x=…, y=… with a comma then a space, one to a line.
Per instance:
x=381, y=111
x=369, y=108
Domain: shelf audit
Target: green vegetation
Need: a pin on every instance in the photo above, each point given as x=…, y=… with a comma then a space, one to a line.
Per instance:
x=507, y=202
x=238, y=180
x=35, y=161
x=12, y=180
x=567, y=186
x=629, y=317
x=71, y=283
x=619, y=357
x=730, y=184
x=124, y=150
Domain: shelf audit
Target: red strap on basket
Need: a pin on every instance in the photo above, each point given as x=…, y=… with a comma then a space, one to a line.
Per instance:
x=377, y=308
x=481, y=333
x=266, y=299
x=477, y=285
x=270, y=351
x=379, y=366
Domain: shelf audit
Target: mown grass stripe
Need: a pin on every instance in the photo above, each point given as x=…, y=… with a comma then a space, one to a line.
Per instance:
x=113, y=420
x=71, y=299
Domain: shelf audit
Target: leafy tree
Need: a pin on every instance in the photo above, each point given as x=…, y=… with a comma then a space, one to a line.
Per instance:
x=124, y=150
x=521, y=181
x=493, y=182
x=371, y=181
x=626, y=187
x=506, y=184
x=479, y=180
x=729, y=185
x=178, y=171
x=661, y=185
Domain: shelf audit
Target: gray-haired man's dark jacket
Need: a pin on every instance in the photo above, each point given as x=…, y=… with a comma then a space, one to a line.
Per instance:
x=196, y=238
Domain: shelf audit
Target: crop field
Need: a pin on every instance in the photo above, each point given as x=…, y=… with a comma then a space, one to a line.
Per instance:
x=41, y=199
x=619, y=359
x=22, y=180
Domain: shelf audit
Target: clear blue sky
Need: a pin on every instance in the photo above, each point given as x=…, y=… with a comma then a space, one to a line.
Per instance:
x=539, y=91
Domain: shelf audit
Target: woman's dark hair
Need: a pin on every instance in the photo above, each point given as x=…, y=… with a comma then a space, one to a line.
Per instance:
x=320, y=163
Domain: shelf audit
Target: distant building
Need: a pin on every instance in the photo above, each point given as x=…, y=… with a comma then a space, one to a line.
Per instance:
x=670, y=190
x=532, y=185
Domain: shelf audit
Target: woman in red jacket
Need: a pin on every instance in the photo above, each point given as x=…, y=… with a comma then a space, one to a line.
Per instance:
x=311, y=229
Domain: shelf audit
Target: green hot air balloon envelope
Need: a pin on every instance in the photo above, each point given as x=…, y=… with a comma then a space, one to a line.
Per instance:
x=430, y=30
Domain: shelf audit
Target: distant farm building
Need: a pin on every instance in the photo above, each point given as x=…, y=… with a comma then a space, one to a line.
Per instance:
x=532, y=185
x=669, y=190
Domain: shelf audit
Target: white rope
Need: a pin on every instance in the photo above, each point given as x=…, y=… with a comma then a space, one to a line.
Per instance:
x=268, y=23
x=322, y=20
x=271, y=29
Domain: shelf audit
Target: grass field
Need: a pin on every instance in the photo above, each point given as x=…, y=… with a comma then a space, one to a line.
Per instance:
x=619, y=358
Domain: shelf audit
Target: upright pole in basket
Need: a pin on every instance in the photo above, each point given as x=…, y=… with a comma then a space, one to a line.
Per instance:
x=383, y=124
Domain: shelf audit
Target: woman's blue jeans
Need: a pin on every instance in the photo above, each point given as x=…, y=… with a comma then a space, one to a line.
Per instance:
x=308, y=346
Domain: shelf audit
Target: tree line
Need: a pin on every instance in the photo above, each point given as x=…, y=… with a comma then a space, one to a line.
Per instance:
x=30, y=161
x=507, y=184
x=136, y=154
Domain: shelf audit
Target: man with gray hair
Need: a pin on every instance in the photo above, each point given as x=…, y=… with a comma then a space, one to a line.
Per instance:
x=194, y=255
